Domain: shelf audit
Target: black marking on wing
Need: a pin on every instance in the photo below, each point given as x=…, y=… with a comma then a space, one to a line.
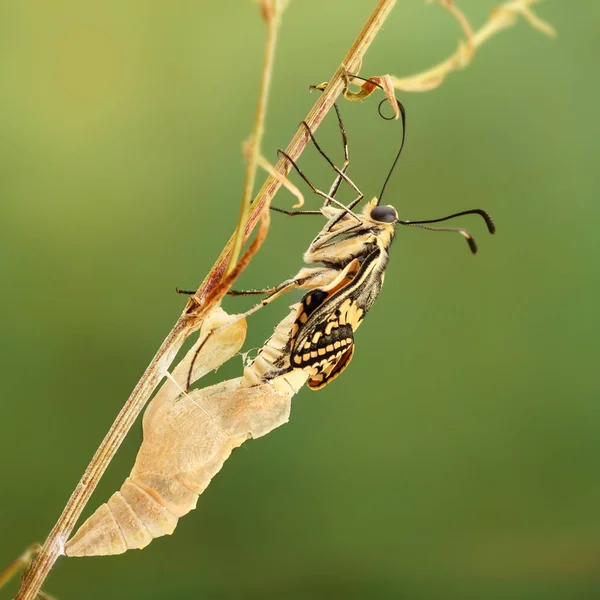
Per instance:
x=347, y=305
x=322, y=378
x=313, y=300
x=322, y=338
x=325, y=347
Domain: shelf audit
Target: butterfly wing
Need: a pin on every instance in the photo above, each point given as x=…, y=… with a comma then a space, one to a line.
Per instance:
x=327, y=372
x=322, y=339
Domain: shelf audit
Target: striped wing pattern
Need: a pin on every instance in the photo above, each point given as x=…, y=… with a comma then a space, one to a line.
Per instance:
x=329, y=346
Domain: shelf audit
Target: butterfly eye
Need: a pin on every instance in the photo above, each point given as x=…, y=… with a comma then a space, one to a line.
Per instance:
x=384, y=214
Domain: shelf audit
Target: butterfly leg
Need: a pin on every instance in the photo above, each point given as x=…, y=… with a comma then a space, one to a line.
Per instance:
x=341, y=173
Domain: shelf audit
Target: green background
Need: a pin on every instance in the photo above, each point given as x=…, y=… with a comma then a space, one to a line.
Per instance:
x=459, y=455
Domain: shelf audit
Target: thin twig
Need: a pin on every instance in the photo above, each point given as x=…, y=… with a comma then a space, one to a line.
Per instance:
x=18, y=564
x=263, y=163
x=501, y=18
x=208, y=295
x=324, y=103
x=272, y=12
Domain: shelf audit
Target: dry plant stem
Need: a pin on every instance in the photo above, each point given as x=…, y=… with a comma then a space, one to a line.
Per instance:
x=263, y=163
x=273, y=18
x=351, y=63
x=189, y=322
x=54, y=545
x=208, y=295
x=502, y=17
x=20, y=563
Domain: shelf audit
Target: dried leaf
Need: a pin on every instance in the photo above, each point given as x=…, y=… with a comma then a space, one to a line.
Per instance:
x=501, y=17
x=372, y=84
x=418, y=84
x=263, y=163
x=460, y=18
x=511, y=10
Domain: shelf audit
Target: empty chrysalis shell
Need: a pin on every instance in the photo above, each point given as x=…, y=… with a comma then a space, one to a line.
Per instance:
x=187, y=438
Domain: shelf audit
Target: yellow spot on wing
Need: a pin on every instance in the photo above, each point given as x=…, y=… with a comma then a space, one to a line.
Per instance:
x=345, y=308
x=330, y=327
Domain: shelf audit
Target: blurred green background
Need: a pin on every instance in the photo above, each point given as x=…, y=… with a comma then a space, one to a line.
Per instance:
x=459, y=456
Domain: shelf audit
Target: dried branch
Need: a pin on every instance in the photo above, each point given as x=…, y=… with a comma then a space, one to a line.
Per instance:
x=208, y=295
x=501, y=17
x=272, y=11
x=263, y=163
x=351, y=63
x=19, y=564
